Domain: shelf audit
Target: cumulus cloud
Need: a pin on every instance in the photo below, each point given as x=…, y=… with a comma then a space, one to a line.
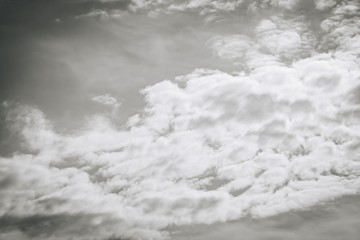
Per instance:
x=196, y=155
x=275, y=42
x=209, y=146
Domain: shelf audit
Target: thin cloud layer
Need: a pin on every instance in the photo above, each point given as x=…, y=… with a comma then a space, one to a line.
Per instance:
x=209, y=146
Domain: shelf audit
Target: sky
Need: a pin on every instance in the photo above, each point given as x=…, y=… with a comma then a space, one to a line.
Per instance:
x=187, y=119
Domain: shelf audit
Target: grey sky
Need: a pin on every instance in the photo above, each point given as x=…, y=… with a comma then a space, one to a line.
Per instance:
x=162, y=119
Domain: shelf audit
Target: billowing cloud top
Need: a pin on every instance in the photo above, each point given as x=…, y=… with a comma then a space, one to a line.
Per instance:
x=280, y=135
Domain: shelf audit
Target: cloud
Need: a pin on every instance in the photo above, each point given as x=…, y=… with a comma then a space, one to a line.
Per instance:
x=102, y=15
x=324, y=4
x=106, y=99
x=261, y=144
x=275, y=42
x=341, y=30
x=210, y=9
x=209, y=146
x=321, y=222
x=114, y=110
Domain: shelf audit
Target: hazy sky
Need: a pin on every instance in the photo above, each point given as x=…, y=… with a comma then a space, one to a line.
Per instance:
x=55, y=57
x=187, y=119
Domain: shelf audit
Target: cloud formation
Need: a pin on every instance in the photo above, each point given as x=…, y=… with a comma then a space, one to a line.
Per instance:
x=209, y=146
x=106, y=99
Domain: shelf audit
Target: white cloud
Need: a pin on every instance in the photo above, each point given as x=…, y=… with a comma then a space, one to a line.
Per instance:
x=106, y=99
x=103, y=15
x=324, y=4
x=232, y=47
x=275, y=42
x=217, y=149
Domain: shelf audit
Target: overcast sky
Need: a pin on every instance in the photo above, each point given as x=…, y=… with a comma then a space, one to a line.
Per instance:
x=186, y=119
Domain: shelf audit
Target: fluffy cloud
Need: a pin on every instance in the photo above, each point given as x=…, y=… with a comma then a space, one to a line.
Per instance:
x=209, y=146
x=275, y=42
x=341, y=29
x=219, y=148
